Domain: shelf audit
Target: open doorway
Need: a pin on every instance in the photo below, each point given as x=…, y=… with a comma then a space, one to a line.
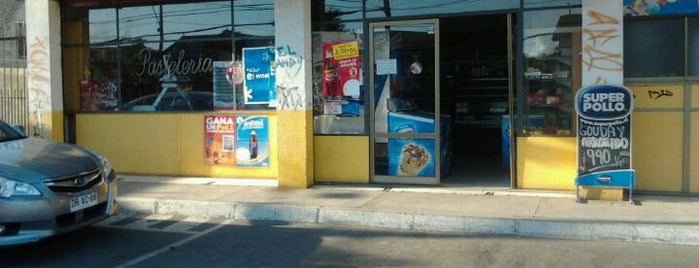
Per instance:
x=475, y=93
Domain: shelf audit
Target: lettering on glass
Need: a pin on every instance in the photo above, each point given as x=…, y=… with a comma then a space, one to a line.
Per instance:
x=178, y=65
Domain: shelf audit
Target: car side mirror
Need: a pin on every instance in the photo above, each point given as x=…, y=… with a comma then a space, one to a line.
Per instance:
x=19, y=128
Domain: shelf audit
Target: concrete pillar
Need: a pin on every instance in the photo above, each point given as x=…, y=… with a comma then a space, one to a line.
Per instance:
x=602, y=59
x=294, y=92
x=603, y=42
x=44, y=75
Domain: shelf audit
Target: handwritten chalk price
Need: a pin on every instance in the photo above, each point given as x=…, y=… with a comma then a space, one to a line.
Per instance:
x=599, y=156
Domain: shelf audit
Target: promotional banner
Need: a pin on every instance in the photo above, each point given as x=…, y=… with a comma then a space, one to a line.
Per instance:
x=220, y=140
x=259, y=82
x=253, y=141
x=660, y=7
x=604, y=128
x=341, y=69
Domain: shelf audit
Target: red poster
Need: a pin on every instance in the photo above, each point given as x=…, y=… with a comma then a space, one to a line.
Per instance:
x=341, y=69
x=219, y=140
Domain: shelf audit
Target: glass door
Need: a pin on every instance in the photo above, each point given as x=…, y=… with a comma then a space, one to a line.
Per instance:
x=404, y=87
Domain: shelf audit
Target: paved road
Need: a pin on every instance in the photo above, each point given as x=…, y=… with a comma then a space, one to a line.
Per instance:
x=132, y=240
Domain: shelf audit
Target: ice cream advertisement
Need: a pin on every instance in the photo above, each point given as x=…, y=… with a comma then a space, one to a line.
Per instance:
x=411, y=157
x=660, y=7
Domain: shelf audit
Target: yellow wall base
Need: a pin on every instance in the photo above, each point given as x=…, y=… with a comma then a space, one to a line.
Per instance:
x=593, y=193
x=295, y=149
x=163, y=144
x=341, y=159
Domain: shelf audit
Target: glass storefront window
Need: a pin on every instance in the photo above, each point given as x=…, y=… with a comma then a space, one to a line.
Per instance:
x=197, y=19
x=177, y=57
x=102, y=23
x=139, y=23
x=254, y=17
x=338, y=90
x=402, y=8
x=693, y=53
x=549, y=84
x=654, y=48
x=340, y=9
x=550, y=3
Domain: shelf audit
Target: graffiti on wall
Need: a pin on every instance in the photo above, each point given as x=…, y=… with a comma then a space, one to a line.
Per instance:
x=657, y=94
x=39, y=83
x=602, y=43
x=290, y=77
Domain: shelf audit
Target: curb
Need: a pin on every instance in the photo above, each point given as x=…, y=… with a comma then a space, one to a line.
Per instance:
x=680, y=234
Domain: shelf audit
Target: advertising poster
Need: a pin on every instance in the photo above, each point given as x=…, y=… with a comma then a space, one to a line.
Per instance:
x=98, y=95
x=604, y=128
x=224, y=90
x=252, y=141
x=259, y=82
x=341, y=69
x=660, y=7
x=220, y=139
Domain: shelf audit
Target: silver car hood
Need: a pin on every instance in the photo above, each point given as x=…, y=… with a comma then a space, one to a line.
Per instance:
x=30, y=160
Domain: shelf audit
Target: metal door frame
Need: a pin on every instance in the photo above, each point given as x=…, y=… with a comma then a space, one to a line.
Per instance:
x=373, y=136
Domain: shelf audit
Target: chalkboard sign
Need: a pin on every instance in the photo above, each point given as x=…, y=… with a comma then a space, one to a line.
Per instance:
x=604, y=128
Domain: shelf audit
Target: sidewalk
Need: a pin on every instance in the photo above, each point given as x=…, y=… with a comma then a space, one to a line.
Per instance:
x=657, y=219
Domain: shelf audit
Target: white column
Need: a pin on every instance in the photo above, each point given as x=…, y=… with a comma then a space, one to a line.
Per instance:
x=293, y=50
x=44, y=74
x=602, y=42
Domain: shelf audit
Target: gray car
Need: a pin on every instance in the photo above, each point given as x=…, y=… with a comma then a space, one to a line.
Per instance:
x=49, y=188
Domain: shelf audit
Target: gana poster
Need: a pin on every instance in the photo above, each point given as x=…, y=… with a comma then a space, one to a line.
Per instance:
x=220, y=140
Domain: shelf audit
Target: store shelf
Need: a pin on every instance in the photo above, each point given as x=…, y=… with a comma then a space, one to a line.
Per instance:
x=549, y=104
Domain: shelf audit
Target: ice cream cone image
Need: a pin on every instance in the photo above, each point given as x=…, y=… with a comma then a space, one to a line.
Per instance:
x=413, y=158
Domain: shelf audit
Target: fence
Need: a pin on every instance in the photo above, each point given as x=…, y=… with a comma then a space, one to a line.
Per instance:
x=14, y=107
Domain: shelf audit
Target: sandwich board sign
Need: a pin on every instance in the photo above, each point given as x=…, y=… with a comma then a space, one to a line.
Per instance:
x=604, y=137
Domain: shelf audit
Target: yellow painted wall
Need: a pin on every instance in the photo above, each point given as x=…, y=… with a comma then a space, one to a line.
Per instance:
x=694, y=143
x=546, y=163
x=342, y=159
x=658, y=137
x=694, y=154
x=647, y=96
x=657, y=150
x=168, y=144
x=295, y=148
x=57, y=128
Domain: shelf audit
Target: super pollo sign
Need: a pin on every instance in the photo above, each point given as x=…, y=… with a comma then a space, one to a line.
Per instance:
x=604, y=128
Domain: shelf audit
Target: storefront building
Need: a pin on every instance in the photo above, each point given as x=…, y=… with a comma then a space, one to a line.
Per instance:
x=294, y=93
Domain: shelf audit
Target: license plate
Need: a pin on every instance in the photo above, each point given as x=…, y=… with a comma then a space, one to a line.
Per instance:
x=83, y=201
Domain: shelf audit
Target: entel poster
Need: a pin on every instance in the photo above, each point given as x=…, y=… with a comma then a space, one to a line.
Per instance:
x=219, y=139
x=260, y=79
x=252, y=141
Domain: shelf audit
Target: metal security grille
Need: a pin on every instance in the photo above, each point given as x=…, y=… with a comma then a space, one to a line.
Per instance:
x=14, y=107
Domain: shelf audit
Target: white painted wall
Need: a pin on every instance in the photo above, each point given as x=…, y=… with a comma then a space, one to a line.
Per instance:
x=44, y=72
x=293, y=54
